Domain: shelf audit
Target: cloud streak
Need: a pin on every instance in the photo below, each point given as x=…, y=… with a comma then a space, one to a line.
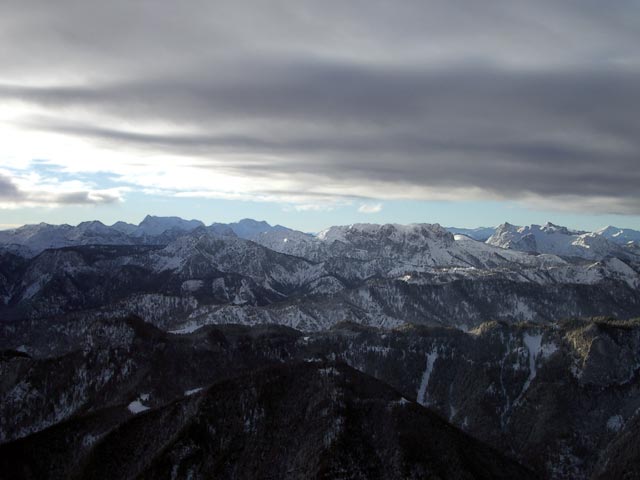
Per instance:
x=52, y=194
x=370, y=208
x=428, y=100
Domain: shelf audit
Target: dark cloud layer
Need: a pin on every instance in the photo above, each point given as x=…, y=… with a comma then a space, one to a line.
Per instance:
x=519, y=100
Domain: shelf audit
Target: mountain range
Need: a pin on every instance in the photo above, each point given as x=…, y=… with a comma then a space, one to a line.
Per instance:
x=550, y=238
x=183, y=350
x=182, y=274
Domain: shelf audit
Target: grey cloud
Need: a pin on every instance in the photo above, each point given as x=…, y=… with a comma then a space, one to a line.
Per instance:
x=516, y=99
x=91, y=197
x=155, y=36
x=11, y=193
x=492, y=130
x=8, y=190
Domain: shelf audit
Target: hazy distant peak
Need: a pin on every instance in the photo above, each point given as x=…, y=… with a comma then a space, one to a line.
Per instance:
x=249, y=228
x=251, y=221
x=152, y=225
x=124, y=227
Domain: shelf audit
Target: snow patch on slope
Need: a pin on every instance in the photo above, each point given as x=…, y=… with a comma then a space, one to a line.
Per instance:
x=424, y=383
x=534, y=346
x=136, y=407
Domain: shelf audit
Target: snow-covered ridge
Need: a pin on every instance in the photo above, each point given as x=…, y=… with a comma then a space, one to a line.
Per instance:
x=43, y=236
x=416, y=232
x=549, y=238
x=381, y=275
x=417, y=253
x=621, y=236
x=554, y=239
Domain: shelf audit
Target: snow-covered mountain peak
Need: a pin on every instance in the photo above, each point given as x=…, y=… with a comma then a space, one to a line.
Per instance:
x=621, y=236
x=553, y=239
x=552, y=228
x=506, y=228
x=548, y=228
x=414, y=233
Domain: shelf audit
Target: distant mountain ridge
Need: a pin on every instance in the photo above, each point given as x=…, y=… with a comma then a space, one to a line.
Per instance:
x=379, y=275
x=151, y=230
x=157, y=230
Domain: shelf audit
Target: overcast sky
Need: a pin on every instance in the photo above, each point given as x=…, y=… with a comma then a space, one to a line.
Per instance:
x=321, y=112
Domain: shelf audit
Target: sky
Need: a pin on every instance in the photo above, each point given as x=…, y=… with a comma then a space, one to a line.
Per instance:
x=311, y=114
